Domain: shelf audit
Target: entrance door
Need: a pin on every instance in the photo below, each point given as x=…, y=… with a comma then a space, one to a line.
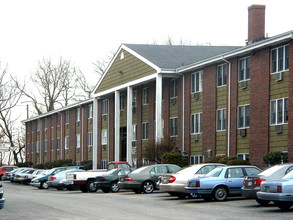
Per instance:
x=123, y=143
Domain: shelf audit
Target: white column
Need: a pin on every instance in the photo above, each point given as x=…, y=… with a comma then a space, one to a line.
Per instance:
x=159, y=95
x=95, y=133
x=117, y=126
x=129, y=126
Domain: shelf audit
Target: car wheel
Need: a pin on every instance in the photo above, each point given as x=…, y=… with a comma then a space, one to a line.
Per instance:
x=262, y=202
x=114, y=187
x=172, y=193
x=220, y=194
x=284, y=205
x=44, y=185
x=148, y=187
x=207, y=198
x=83, y=188
x=2, y=178
x=91, y=186
x=181, y=195
x=60, y=188
x=192, y=196
x=137, y=191
x=105, y=190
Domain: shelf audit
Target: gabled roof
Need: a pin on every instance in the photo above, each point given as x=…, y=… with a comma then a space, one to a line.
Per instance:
x=175, y=56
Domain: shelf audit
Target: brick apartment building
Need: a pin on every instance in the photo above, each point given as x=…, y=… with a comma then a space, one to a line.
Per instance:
x=211, y=100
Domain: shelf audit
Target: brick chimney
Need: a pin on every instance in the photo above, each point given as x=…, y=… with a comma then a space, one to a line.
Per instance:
x=256, y=23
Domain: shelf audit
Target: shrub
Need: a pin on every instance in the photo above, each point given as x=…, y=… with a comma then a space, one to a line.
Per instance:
x=273, y=158
x=238, y=162
x=232, y=160
x=39, y=166
x=174, y=158
x=49, y=165
x=24, y=164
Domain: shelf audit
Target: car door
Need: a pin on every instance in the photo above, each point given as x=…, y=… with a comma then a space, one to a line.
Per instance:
x=158, y=171
x=234, y=179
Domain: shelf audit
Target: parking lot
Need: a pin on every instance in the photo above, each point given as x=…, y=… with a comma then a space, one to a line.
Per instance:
x=27, y=202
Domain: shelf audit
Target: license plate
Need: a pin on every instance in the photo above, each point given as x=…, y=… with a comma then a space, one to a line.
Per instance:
x=165, y=180
x=267, y=188
x=121, y=179
x=249, y=184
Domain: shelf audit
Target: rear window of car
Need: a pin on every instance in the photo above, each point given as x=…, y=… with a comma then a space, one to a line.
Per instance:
x=159, y=169
x=123, y=165
x=173, y=169
x=288, y=175
x=205, y=169
x=270, y=170
x=215, y=173
x=251, y=171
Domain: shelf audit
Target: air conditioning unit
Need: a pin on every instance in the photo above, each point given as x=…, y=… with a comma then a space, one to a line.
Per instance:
x=196, y=96
x=207, y=154
x=173, y=101
x=243, y=84
x=195, y=137
x=278, y=129
x=279, y=76
x=243, y=132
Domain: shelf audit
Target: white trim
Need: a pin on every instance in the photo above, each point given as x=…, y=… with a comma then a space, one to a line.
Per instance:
x=95, y=133
x=158, y=108
x=129, y=126
x=117, y=125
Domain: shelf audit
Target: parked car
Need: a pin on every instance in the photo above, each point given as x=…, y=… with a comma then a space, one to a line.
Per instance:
x=221, y=182
x=145, y=178
x=175, y=184
x=21, y=176
x=2, y=200
x=58, y=180
x=30, y=176
x=109, y=181
x=251, y=184
x=278, y=191
x=6, y=169
x=42, y=181
x=18, y=170
x=7, y=175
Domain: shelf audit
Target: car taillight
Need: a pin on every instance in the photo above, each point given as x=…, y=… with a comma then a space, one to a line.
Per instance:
x=258, y=181
x=101, y=178
x=74, y=176
x=53, y=177
x=243, y=181
x=279, y=189
x=172, y=179
x=17, y=176
x=128, y=178
x=197, y=184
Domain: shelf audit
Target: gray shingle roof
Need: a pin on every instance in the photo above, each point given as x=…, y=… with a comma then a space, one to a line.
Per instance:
x=172, y=57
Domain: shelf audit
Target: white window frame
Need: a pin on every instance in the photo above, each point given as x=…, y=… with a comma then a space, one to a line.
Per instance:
x=223, y=119
x=67, y=117
x=173, y=127
x=77, y=116
x=58, y=144
x=173, y=88
x=90, y=139
x=134, y=132
x=45, y=146
x=104, y=140
x=196, y=82
x=134, y=98
x=145, y=131
x=145, y=96
x=38, y=147
x=197, y=159
x=275, y=113
x=244, y=65
x=52, y=121
x=66, y=142
x=38, y=126
x=122, y=97
x=243, y=109
x=90, y=111
x=46, y=123
x=58, y=120
x=285, y=60
x=105, y=107
x=77, y=141
x=52, y=144
x=104, y=164
x=243, y=156
x=222, y=70
x=196, y=123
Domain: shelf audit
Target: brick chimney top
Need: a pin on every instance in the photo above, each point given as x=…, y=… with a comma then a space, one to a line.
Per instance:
x=256, y=23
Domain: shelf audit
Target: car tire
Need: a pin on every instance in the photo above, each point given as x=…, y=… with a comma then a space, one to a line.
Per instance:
x=83, y=188
x=147, y=187
x=284, y=205
x=44, y=185
x=137, y=191
x=2, y=178
x=91, y=186
x=262, y=202
x=60, y=188
x=207, y=198
x=172, y=193
x=106, y=190
x=114, y=187
x=220, y=193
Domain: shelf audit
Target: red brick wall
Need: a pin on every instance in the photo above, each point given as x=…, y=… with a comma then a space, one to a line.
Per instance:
x=111, y=128
x=35, y=142
x=72, y=135
x=187, y=112
x=259, y=106
x=55, y=138
x=151, y=110
x=166, y=107
x=179, y=114
x=84, y=122
x=49, y=137
x=290, y=104
x=99, y=147
x=256, y=22
x=139, y=125
x=209, y=109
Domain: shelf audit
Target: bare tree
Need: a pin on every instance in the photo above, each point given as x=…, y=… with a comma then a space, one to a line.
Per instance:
x=9, y=98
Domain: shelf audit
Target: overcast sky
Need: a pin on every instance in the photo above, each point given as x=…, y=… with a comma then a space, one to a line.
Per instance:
x=87, y=30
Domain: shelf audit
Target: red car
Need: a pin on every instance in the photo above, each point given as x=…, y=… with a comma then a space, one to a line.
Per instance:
x=6, y=169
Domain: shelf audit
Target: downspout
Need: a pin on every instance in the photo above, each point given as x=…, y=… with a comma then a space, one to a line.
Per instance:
x=108, y=130
x=229, y=104
x=183, y=100
x=82, y=131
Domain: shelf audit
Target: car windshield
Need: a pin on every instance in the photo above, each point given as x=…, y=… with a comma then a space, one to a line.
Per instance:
x=270, y=170
x=288, y=175
x=139, y=170
x=215, y=172
x=111, y=172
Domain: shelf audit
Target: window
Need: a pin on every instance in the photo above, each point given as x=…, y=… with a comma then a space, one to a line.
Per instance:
x=90, y=111
x=38, y=129
x=196, y=82
x=38, y=147
x=235, y=173
x=243, y=156
x=67, y=117
x=134, y=132
x=221, y=120
x=46, y=123
x=145, y=131
x=145, y=96
x=134, y=97
x=122, y=102
x=77, y=115
x=173, y=127
x=244, y=69
x=279, y=111
x=45, y=146
x=66, y=142
x=52, y=144
x=221, y=74
x=104, y=107
x=58, y=120
x=52, y=121
x=77, y=141
x=104, y=137
x=32, y=147
x=195, y=159
x=104, y=164
x=196, y=123
x=173, y=88
x=243, y=116
x=90, y=139
x=57, y=144
x=280, y=59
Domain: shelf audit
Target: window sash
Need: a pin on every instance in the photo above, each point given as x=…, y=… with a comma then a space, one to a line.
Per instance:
x=145, y=132
x=66, y=143
x=77, y=115
x=221, y=74
x=173, y=126
x=173, y=88
x=104, y=137
x=196, y=82
x=280, y=59
x=244, y=69
x=77, y=141
x=146, y=96
x=134, y=132
x=104, y=107
x=196, y=123
x=221, y=120
x=279, y=111
x=67, y=117
x=243, y=116
x=121, y=102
